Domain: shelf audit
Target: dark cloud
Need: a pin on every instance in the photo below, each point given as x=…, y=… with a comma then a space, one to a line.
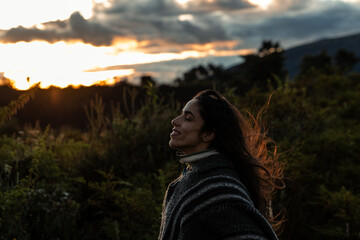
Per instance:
x=291, y=5
x=138, y=19
x=55, y=24
x=171, y=7
x=338, y=18
x=75, y=28
x=229, y=4
x=159, y=19
x=153, y=7
x=90, y=32
x=212, y=32
x=29, y=34
x=186, y=32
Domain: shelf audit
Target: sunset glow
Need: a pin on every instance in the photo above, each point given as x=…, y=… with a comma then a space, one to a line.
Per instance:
x=63, y=64
x=58, y=64
x=21, y=80
x=182, y=1
x=261, y=3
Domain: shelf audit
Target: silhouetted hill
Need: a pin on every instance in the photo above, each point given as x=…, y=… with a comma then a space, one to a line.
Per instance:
x=293, y=56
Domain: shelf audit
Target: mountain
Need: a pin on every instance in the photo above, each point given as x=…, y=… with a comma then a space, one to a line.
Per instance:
x=293, y=56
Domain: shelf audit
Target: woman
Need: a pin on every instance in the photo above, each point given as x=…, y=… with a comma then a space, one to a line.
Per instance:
x=225, y=191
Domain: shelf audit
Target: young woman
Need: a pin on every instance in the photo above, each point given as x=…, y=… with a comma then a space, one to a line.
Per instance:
x=225, y=191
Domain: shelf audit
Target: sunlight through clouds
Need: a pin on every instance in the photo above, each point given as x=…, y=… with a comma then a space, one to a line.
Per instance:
x=261, y=3
x=62, y=80
x=186, y=17
x=62, y=64
x=58, y=64
x=182, y=2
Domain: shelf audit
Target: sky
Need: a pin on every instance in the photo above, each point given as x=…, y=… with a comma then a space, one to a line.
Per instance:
x=85, y=42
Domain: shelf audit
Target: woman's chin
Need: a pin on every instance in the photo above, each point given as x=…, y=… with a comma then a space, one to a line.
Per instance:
x=173, y=145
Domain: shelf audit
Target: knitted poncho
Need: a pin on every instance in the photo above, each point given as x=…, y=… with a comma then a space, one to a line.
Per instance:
x=210, y=202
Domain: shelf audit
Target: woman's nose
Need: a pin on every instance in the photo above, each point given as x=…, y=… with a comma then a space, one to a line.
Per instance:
x=174, y=122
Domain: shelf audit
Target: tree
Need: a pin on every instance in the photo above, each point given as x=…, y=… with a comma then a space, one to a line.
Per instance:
x=205, y=76
x=264, y=66
x=345, y=60
x=321, y=62
x=146, y=80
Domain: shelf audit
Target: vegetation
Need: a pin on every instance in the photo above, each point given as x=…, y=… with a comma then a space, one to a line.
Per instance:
x=107, y=180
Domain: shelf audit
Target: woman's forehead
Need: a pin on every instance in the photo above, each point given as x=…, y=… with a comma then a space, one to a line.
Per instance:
x=191, y=105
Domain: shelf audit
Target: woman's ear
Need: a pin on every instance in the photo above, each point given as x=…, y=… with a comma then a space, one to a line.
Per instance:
x=208, y=136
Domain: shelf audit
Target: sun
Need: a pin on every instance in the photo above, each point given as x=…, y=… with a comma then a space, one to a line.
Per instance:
x=261, y=3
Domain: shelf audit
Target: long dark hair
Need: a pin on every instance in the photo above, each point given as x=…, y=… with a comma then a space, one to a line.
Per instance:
x=245, y=142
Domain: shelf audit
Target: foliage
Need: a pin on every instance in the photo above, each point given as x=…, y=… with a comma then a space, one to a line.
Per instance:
x=14, y=106
x=342, y=62
x=345, y=60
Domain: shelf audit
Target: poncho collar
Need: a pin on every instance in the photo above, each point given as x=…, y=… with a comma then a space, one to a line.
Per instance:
x=191, y=158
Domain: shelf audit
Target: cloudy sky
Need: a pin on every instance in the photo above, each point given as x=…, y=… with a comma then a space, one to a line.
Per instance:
x=82, y=42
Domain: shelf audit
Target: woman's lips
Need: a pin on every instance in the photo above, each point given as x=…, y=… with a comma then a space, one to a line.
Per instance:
x=175, y=133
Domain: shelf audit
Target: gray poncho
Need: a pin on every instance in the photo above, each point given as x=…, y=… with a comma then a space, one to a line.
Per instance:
x=210, y=202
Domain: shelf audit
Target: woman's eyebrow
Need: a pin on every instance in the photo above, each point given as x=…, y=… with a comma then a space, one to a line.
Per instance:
x=188, y=112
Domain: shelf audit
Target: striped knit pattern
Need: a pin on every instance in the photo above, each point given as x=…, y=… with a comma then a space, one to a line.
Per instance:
x=211, y=203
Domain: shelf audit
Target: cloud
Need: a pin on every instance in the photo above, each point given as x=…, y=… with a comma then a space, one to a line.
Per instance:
x=28, y=34
x=136, y=19
x=159, y=24
x=161, y=19
x=75, y=28
x=185, y=32
x=332, y=20
x=291, y=5
x=171, y=7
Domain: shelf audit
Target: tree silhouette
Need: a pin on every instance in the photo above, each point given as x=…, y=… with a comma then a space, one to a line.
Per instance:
x=146, y=80
x=323, y=63
x=345, y=60
x=205, y=76
x=266, y=65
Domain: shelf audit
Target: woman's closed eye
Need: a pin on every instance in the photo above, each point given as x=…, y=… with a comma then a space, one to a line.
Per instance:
x=188, y=117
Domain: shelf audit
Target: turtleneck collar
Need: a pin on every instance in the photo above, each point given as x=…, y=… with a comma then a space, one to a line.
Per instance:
x=191, y=158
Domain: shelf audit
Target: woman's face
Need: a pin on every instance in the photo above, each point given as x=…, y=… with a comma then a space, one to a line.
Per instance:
x=186, y=134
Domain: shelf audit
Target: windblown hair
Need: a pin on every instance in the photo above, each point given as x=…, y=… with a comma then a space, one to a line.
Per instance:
x=245, y=142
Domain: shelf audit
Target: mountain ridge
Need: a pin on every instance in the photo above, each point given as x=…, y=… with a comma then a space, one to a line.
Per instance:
x=294, y=55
